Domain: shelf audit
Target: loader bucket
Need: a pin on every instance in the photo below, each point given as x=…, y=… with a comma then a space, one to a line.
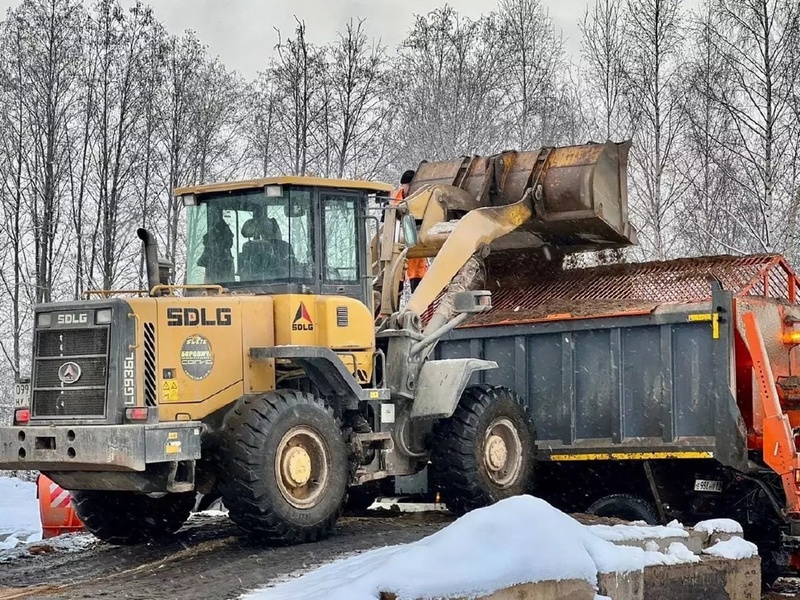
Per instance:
x=580, y=199
x=571, y=199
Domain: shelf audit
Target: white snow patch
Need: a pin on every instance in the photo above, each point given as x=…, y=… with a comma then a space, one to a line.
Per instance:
x=443, y=227
x=399, y=504
x=622, y=533
x=518, y=540
x=677, y=553
x=67, y=543
x=675, y=523
x=718, y=526
x=209, y=513
x=19, y=513
x=735, y=548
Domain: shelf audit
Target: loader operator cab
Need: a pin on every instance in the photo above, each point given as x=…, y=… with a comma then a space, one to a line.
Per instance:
x=281, y=235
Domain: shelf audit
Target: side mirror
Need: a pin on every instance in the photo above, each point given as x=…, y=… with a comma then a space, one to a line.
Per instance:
x=474, y=301
x=409, y=226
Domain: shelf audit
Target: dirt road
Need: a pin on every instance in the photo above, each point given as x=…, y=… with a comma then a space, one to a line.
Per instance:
x=207, y=559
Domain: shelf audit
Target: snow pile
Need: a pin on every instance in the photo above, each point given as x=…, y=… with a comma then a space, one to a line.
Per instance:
x=19, y=513
x=718, y=526
x=734, y=549
x=638, y=530
x=518, y=540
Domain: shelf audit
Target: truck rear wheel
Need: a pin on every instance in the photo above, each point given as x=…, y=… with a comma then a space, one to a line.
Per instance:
x=285, y=467
x=485, y=452
x=626, y=507
x=124, y=518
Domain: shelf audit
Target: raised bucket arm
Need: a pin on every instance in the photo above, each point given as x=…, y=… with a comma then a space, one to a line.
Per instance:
x=572, y=198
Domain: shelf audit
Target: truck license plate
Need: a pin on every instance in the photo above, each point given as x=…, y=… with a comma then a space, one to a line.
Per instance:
x=22, y=394
x=707, y=485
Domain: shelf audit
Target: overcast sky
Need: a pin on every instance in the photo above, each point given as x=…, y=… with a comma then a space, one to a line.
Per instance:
x=242, y=32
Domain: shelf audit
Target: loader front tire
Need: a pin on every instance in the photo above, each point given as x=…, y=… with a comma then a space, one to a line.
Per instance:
x=126, y=518
x=285, y=467
x=485, y=452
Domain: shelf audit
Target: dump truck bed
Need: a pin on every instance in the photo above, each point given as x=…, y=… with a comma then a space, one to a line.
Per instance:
x=632, y=360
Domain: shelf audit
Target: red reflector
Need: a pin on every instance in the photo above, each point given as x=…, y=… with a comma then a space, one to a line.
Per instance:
x=136, y=414
x=22, y=415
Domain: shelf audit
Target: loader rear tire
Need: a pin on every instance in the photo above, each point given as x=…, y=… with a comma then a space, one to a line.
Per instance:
x=284, y=467
x=486, y=451
x=126, y=518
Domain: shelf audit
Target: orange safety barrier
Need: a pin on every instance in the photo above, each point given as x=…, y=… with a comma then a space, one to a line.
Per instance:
x=55, y=509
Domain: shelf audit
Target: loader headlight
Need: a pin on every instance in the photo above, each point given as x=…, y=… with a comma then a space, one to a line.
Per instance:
x=103, y=316
x=44, y=319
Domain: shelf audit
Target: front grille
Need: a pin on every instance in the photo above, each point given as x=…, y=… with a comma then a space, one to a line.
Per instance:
x=69, y=403
x=71, y=342
x=93, y=373
x=86, y=396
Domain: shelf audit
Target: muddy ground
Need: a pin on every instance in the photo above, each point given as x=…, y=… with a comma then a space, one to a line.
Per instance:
x=208, y=559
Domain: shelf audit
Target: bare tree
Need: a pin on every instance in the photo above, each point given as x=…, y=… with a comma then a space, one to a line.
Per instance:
x=15, y=227
x=532, y=65
x=602, y=50
x=356, y=76
x=153, y=80
x=119, y=47
x=452, y=103
x=297, y=71
x=217, y=116
x=259, y=131
x=757, y=41
x=50, y=56
x=655, y=103
x=184, y=61
x=712, y=203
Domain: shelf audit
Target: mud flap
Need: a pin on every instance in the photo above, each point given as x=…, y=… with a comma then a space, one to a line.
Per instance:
x=441, y=383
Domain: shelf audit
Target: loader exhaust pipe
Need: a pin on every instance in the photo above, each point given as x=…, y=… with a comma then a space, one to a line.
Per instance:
x=150, y=257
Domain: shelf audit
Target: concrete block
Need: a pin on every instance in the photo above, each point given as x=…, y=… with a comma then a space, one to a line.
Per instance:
x=710, y=579
x=696, y=541
x=621, y=586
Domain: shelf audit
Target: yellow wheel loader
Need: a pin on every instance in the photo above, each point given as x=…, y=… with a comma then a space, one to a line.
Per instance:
x=284, y=371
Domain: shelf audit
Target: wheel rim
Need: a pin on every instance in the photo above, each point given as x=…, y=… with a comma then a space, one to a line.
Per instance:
x=301, y=467
x=502, y=452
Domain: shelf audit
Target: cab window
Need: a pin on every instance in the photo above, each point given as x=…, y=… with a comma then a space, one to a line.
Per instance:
x=246, y=237
x=339, y=221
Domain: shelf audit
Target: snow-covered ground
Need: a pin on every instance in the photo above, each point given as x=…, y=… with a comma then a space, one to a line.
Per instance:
x=21, y=529
x=19, y=513
x=519, y=540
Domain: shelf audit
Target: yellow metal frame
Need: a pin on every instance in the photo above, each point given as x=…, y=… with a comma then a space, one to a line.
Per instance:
x=632, y=455
x=713, y=318
x=247, y=184
x=108, y=293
